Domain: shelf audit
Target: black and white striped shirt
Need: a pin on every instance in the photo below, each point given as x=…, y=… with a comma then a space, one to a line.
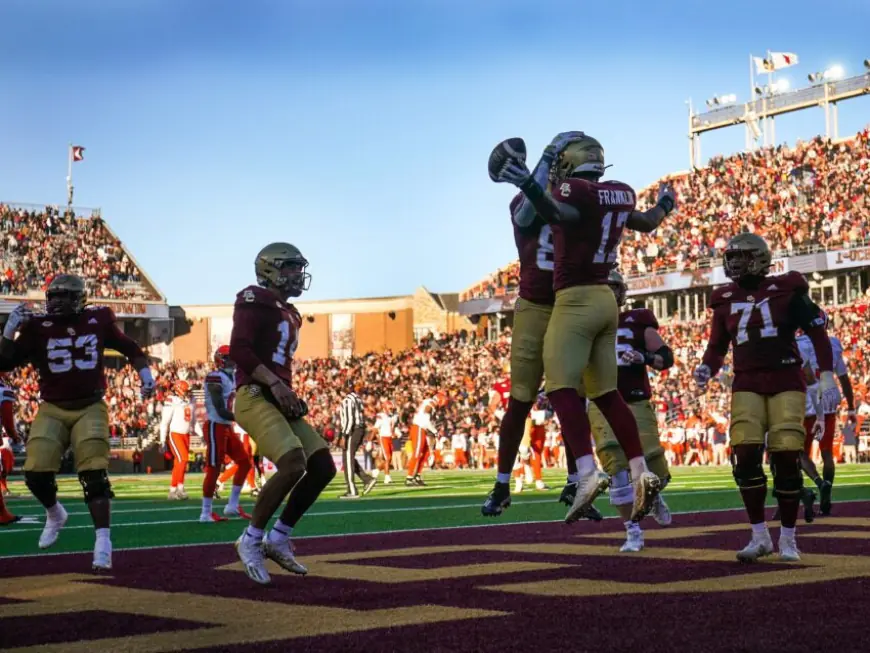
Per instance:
x=351, y=414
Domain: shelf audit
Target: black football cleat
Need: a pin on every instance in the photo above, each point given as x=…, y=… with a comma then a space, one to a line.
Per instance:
x=568, y=494
x=825, y=491
x=808, y=498
x=593, y=514
x=409, y=482
x=498, y=501
x=419, y=482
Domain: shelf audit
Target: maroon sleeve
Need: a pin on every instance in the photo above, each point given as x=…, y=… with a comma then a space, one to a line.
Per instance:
x=117, y=340
x=648, y=319
x=718, y=344
x=576, y=192
x=244, y=335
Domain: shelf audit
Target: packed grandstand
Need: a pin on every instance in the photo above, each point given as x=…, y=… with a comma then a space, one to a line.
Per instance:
x=804, y=199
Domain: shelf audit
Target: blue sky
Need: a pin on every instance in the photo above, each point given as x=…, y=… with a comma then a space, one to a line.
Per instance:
x=360, y=130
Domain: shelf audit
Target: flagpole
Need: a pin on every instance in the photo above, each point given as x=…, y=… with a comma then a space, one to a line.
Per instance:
x=770, y=124
x=750, y=141
x=69, y=186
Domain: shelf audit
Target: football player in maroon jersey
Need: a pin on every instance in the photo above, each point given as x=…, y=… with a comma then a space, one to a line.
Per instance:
x=534, y=241
x=638, y=346
x=66, y=346
x=264, y=338
x=758, y=315
x=587, y=217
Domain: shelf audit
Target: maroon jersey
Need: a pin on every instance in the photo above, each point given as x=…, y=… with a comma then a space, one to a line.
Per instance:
x=760, y=324
x=535, y=249
x=585, y=249
x=633, y=380
x=67, y=350
x=265, y=332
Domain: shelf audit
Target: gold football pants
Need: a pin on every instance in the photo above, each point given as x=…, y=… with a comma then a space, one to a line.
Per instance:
x=56, y=429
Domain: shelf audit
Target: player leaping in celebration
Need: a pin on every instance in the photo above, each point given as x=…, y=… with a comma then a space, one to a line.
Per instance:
x=638, y=346
x=758, y=315
x=821, y=419
x=264, y=338
x=220, y=439
x=534, y=241
x=587, y=218
x=66, y=346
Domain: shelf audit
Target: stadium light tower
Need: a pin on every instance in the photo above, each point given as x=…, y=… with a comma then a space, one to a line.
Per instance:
x=825, y=79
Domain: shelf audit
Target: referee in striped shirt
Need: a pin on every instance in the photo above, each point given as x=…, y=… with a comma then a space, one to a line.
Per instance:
x=353, y=431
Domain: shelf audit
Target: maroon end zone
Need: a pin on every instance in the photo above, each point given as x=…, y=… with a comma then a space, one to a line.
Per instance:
x=525, y=587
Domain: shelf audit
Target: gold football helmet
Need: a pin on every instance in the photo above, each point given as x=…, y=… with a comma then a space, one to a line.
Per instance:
x=617, y=284
x=747, y=255
x=584, y=154
x=282, y=266
x=65, y=295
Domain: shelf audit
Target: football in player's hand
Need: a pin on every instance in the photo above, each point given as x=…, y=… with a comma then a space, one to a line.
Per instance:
x=511, y=148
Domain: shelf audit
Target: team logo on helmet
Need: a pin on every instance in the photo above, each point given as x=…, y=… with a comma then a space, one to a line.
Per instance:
x=584, y=155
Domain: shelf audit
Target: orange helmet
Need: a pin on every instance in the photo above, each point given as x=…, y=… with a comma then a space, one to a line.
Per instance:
x=222, y=357
x=182, y=388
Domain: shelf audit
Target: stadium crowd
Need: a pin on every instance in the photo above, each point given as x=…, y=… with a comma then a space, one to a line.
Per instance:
x=693, y=426
x=36, y=245
x=812, y=196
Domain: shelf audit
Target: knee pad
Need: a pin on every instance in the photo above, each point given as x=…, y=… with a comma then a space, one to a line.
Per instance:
x=788, y=481
x=621, y=491
x=42, y=485
x=95, y=484
x=747, y=466
x=321, y=466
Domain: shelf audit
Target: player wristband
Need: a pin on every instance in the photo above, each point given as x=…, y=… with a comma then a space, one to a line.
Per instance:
x=667, y=204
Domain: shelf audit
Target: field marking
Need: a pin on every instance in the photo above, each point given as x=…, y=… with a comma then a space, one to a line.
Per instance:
x=491, y=524
x=195, y=506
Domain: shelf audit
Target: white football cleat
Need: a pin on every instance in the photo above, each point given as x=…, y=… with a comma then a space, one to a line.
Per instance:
x=250, y=552
x=282, y=553
x=588, y=489
x=646, y=489
x=52, y=528
x=788, y=550
x=387, y=480
x=103, y=555
x=660, y=511
x=633, y=541
x=182, y=495
x=173, y=495
x=540, y=485
x=759, y=546
x=211, y=517
x=518, y=485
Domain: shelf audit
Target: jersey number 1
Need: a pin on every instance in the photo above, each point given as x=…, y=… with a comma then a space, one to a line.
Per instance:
x=285, y=348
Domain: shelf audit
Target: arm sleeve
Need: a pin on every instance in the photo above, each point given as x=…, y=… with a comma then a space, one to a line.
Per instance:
x=344, y=417
x=243, y=337
x=717, y=346
x=807, y=314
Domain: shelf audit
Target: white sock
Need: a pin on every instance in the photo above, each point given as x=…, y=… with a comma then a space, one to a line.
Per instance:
x=280, y=532
x=103, y=534
x=586, y=465
x=573, y=478
x=758, y=529
x=55, y=512
x=235, y=493
x=503, y=478
x=631, y=526
x=255, y=533
x=181, y=487
x=206, y=505
x=637, y=466
x=787, y=532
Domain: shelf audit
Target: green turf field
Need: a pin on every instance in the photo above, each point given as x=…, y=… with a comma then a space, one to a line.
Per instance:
x=144, y=518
